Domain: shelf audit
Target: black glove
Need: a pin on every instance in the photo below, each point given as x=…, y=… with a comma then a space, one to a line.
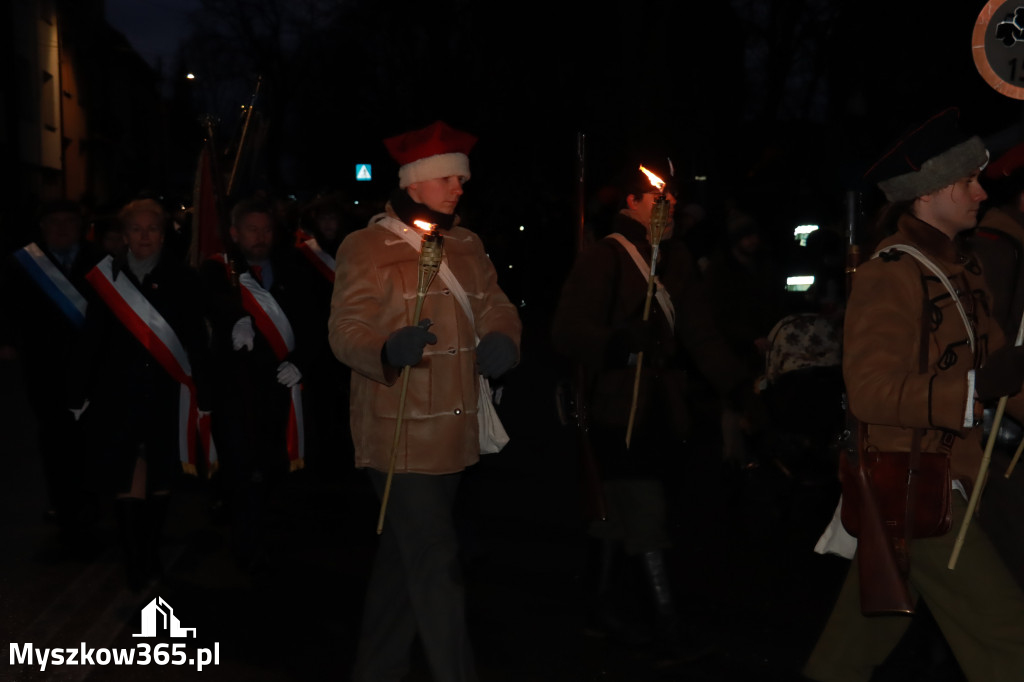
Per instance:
x=404, y=347
x=1002, y=374
x=495, y=355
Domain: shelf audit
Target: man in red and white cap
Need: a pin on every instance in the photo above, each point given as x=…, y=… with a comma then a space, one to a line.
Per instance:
x=468, y=328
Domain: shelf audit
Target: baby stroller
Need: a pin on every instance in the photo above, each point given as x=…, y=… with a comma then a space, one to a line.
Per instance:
x=802, y=393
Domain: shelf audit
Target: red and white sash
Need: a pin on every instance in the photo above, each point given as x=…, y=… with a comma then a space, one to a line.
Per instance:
x=310, y=248
x=277, y=330
x=147, y=325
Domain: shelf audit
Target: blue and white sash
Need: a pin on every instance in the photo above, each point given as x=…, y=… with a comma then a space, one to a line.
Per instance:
x=57, y=287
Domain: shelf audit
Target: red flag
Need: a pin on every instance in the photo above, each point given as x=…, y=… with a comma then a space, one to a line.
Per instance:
x=206, y=223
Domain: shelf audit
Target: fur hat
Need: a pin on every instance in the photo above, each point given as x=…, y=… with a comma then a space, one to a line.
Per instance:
x=929, y=157
x=436, y=151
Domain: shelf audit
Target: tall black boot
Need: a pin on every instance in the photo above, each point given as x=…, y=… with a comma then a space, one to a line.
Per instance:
x=673, y=646
x=600, y=611
x=130, y=514
x=614, y=610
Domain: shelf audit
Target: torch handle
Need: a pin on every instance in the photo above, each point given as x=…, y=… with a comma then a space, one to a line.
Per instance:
x=986, y=458
x=1020, y=448
x=979, y=484
x=394, y=453
x=420, y=295
x=636, y=395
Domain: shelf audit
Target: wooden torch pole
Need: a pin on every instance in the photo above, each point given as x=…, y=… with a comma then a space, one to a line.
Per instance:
x=431, y=250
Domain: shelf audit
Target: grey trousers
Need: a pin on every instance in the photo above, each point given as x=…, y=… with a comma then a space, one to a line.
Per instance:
x=637, y=515
x=978, y=605
x=416, y=585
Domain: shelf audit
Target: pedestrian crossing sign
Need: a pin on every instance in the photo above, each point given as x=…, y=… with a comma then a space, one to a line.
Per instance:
x=364, y=172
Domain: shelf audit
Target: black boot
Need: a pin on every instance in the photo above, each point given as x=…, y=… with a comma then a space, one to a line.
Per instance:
x=598, y=588
x=671, y=644
x=613, y=611
x=131, y=522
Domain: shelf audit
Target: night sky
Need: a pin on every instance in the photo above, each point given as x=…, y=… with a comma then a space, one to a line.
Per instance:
x=783, y=103
x=155, y=28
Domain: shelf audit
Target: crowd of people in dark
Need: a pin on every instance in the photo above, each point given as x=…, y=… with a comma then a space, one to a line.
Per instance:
x=320, y=337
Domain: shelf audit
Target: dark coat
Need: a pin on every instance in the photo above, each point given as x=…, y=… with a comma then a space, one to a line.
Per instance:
x=325, y=386
x=998, y=242
x=603, y=295
x=42, y=334
x=251, y=408
x=133, y=401
x=746, y=302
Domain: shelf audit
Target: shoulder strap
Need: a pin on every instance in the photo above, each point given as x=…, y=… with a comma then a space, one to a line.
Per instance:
x=633, y=253
x=664, y=299
x=928, y=263
x=445, y=272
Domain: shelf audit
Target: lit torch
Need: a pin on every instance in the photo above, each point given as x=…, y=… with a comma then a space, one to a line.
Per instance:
x=659, y=221
x=431, y=250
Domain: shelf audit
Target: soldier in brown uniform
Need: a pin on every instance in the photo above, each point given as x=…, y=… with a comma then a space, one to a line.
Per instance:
x=930, y=178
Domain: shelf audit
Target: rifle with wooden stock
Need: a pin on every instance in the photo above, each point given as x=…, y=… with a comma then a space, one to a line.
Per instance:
x=883, y=587
x=593, y=488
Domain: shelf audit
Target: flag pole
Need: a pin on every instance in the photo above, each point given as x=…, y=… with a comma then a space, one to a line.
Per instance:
x=245, y=132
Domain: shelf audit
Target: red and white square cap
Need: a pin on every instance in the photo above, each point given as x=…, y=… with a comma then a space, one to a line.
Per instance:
x=436, y=151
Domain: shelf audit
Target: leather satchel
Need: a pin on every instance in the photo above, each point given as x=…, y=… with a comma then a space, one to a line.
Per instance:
x=889, y=498
x=883, y=587
x=879, y=503
x=889, y=474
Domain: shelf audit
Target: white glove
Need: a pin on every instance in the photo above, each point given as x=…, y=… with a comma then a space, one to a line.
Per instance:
x=288, y=374
x=78, y=413
x=242, y=334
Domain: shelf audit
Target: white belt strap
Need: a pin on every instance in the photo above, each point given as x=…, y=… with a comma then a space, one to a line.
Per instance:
x=928, y=263
x=661, y=294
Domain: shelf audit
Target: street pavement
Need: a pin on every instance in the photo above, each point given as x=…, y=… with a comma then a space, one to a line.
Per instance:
x=745, y=575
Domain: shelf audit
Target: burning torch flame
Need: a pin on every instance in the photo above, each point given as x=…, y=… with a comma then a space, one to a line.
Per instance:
x=656, y=182
x=424, y=225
